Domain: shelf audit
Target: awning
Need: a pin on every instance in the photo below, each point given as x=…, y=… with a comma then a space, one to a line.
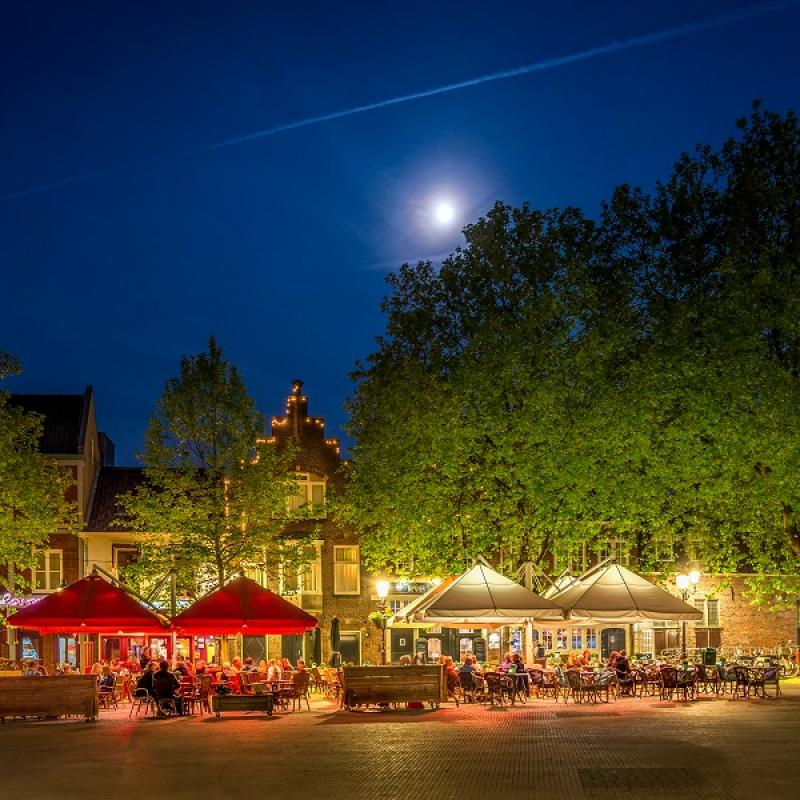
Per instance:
x=242, y=606
x=480, y=597
x=615, y=594
x=90, y=605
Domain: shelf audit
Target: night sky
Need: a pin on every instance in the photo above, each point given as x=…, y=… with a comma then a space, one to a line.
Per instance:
x=280, y=245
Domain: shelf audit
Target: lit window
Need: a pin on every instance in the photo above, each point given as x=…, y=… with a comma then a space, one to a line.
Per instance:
x=577, y=639
x=591, y=638
x=49, y=572
x=346, y=569
x=312, y=574
x=309, y=499
x=712, y=613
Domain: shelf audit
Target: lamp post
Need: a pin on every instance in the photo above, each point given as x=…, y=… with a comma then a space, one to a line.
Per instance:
x=382, y=589
x=687, y=584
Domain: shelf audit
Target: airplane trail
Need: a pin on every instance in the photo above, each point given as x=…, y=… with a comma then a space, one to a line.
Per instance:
x=633, y=42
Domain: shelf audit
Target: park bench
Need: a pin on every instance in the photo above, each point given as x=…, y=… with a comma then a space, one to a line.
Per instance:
x=393, y=684
x=49, y=696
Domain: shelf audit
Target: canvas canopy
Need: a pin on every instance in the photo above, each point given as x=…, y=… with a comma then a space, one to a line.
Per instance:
x=482, y=597
x=242, y=606
x=615, y=594
x=90, y=605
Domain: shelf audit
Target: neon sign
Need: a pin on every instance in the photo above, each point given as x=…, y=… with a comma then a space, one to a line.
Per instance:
x=17, y=601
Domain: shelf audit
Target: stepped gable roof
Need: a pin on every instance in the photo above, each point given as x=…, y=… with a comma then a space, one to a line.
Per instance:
x=315, y=452
x=65, y=419
x=112, y=482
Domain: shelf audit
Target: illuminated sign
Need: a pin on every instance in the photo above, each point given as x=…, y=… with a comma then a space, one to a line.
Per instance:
x=16, y=601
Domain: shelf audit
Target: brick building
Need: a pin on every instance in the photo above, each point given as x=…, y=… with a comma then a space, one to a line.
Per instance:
x=334, y=587
x=71, y=439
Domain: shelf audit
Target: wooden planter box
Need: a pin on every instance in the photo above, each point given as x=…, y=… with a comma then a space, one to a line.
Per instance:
x=424, y=683
x=50, y=696
x=242, y=702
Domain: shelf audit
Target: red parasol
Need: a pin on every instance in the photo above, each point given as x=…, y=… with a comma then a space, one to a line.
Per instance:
x=242, y=606
x=90, y=605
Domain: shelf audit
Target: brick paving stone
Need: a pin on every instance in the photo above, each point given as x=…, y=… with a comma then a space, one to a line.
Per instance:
x=717, y=749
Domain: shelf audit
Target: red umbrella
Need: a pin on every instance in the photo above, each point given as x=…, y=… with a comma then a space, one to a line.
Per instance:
x=90, y=605
x=242, y=606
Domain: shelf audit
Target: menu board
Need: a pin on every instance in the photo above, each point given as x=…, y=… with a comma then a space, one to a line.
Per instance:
x=480, y=649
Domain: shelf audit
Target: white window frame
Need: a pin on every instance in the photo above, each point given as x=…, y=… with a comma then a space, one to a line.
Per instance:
x=311, y=573
x=36, y=572
x=300, y=503
x=336, y=588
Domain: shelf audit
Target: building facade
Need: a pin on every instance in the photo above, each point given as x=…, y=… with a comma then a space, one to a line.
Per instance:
x=334, y=586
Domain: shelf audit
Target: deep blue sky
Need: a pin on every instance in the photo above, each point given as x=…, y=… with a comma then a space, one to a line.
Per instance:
x=280, y=246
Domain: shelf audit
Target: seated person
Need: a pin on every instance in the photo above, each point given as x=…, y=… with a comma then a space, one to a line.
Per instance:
x=146, y=678
x=624, y=674
x=301, y=665
x=107, y=680
x=248, y=665
x=166, y=686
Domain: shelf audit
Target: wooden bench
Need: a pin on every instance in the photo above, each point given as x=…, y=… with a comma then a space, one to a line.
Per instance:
x=394, y=684
x=49, y=696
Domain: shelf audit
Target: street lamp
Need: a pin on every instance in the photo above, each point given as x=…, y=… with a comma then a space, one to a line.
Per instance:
x=382, y=589
x=687, y=584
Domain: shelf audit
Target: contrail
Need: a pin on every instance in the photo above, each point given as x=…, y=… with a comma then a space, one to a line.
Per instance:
x=676, y=32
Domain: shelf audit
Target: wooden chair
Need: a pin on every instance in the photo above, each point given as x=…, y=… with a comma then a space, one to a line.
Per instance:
x=548, y=685
x=582, y=686
x=495, y=688
x=107, y=698
x=300, y=684
x=332, y=684
x=317, y=681
x=468, y=686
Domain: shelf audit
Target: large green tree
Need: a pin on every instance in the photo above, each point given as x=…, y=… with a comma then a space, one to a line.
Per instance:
x=562, y=379
x=32, y=489
x=215, y=497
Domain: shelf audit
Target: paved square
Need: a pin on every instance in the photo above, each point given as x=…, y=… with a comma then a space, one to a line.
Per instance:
x=715, y=749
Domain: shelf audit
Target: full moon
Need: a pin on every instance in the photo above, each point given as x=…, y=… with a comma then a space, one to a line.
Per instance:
x=444, y=213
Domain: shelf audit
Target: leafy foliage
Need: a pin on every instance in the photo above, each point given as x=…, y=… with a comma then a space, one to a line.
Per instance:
x=32, y=489
x=215, y=499
x=562, y=379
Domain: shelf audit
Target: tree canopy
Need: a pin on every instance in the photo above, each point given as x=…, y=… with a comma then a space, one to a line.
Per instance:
x=32, y=489
x=215, y=499
x=563, y=379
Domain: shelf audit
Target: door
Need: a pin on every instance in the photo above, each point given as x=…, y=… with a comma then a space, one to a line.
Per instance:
x=402, y=643
x=350, y=647
x=611, y=639
x=292, y=647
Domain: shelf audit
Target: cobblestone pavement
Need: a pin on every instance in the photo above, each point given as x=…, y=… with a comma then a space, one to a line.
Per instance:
x=637, y=748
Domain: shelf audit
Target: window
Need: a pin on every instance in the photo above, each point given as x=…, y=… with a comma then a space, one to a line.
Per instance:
x=123, y=555
x=614, y=548
x=346, y=569
x=575, y=560
x=49, y=573
x=309, y=500
x=312, y=574
x=396, y=606
x=561, y=639
x=712, y=613
x=709, y=608
x=289, y=579
x=591, y=638
x=547, y=639
x=577, y=639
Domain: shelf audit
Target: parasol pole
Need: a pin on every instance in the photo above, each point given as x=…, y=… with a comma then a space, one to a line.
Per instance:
x=173, y=609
